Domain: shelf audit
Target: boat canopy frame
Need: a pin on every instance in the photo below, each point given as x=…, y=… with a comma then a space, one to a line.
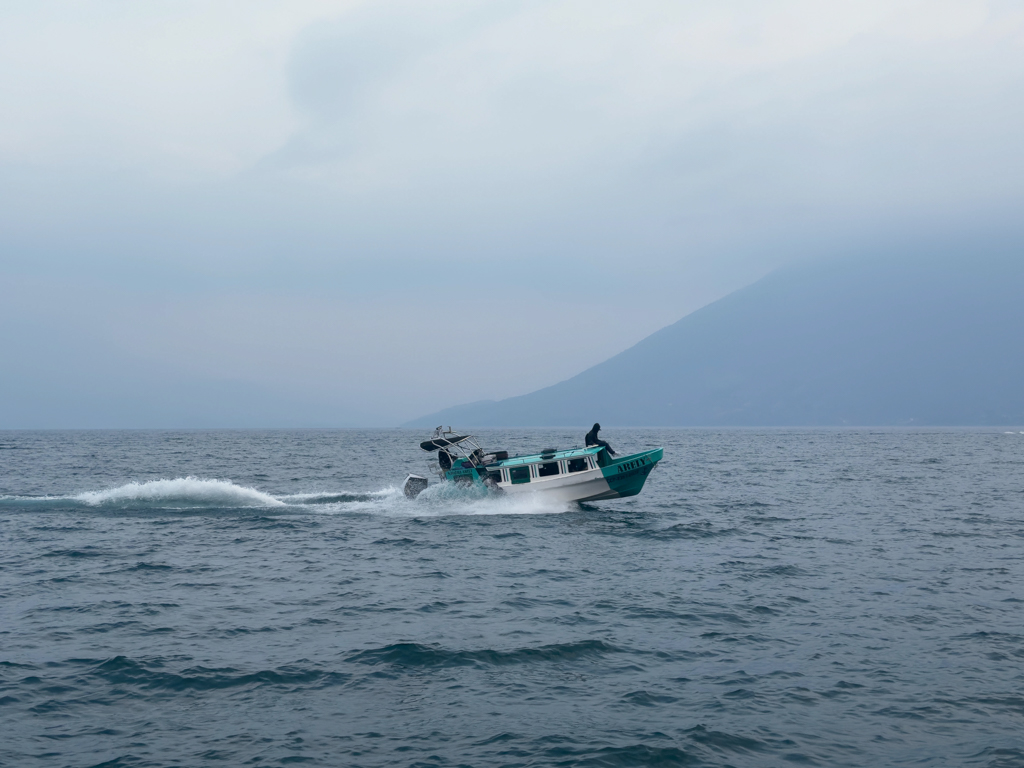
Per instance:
x=459, y=447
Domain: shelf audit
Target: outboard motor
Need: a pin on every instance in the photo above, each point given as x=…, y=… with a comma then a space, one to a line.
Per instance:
x=444, y=459
x=414, y=485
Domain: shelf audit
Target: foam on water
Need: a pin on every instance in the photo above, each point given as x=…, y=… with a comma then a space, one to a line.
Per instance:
x=452, y=499
x=191, y=491
x=438, y=500
x=337, y=497
x=373, y=502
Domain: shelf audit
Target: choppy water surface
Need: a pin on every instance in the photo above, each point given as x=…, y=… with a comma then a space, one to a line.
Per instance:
x=773, y=597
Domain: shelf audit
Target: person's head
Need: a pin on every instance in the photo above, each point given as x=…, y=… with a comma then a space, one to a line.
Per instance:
x=596, y=426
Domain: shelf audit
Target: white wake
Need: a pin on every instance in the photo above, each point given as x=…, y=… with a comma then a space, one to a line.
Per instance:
x=438, y=500
x=192, y=491
x=444, y=499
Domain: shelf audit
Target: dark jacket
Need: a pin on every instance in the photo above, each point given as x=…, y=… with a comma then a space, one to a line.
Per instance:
x=593, y=439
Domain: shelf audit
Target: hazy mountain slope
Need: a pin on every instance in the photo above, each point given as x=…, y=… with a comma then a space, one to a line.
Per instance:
x=879, y=342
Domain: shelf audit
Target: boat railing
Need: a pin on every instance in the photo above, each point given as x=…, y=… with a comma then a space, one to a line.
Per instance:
x=465, y=448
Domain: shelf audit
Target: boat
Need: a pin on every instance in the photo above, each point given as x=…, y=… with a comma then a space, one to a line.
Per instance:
x=575, y=474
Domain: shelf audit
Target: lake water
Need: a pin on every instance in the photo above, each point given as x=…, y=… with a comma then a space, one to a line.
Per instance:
x=773, y=597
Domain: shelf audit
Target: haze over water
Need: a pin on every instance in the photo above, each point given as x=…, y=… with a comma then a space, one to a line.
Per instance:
x=823, y=597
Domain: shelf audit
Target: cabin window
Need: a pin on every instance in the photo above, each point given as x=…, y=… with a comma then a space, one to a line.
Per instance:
x=519, y=475
x=547, y=470
x=577, y=465
x=495, y=475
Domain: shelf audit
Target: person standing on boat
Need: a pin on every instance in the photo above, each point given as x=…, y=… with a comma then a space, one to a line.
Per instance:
x=593, y=439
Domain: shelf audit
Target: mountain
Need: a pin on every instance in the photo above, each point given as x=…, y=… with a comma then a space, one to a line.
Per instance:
x=875, y=342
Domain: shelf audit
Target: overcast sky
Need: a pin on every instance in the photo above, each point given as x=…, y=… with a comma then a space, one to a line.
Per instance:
x=354, y=213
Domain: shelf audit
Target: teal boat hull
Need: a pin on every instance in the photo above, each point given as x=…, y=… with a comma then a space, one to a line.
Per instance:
x=626, y=475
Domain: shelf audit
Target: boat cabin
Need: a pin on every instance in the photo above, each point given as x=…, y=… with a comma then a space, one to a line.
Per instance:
x=461, y=460
x=543, y=466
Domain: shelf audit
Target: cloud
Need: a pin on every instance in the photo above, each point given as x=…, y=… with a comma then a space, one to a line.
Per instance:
x=292, y=176
x=175, y=90
x=532, y=112
x=404, y=97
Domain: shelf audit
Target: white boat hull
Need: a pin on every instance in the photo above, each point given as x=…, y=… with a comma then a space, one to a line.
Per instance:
x=590, y=485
